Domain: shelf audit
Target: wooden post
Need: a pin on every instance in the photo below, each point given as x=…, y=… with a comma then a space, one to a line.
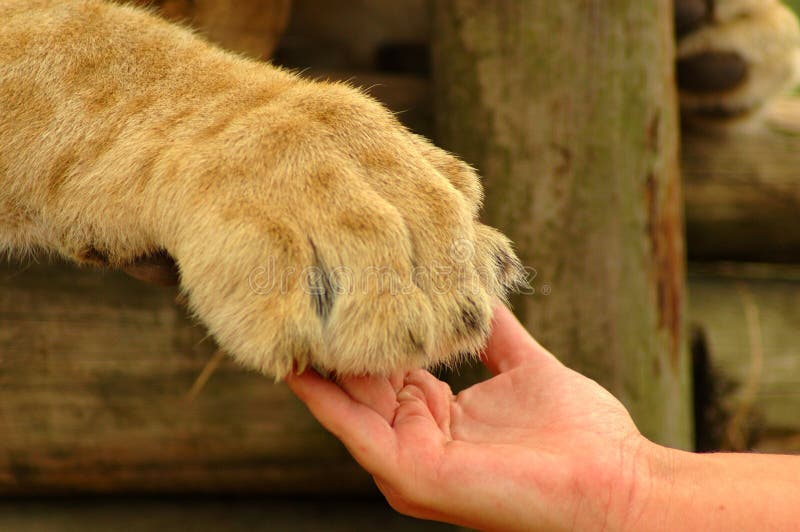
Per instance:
x=569, y=111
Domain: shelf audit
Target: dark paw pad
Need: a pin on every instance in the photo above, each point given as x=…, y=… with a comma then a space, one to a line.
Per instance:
x=157, y=268
x=93, y=256
x=711, y=72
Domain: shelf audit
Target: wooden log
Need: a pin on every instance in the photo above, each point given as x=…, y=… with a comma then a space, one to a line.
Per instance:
x=95, y=369
x=742, y=189
x=570, y=113
x=207, y=514
x=94, y=374
x=747, y=325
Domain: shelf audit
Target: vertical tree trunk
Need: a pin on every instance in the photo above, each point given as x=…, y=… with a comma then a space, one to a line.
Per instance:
x=568, y=109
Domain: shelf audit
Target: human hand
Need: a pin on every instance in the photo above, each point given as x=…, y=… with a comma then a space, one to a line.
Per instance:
x=538, y=446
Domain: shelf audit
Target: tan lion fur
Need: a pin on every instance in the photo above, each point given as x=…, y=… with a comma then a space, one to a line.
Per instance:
x=122, y=135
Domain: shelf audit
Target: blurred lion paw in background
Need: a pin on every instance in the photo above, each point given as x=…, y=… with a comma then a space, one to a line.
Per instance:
x=734, y=57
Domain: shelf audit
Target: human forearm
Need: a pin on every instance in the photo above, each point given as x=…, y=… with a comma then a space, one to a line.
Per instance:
x=719, y=491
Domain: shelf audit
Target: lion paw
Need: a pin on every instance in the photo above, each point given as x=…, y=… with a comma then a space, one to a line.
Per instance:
x=305, y=224
x=343, y=242
x=734, y=56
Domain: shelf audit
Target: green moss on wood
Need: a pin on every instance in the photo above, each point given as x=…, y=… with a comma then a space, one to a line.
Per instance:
x=569, y=111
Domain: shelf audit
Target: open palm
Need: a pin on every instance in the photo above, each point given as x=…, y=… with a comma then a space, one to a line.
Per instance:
x=536, y=446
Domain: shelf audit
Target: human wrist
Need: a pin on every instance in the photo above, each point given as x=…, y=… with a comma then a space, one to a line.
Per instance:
x=721, y=491
x=641, y=494
x=666, y=490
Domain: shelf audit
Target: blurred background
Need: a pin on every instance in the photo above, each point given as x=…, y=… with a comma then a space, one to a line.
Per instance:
x=664, y=261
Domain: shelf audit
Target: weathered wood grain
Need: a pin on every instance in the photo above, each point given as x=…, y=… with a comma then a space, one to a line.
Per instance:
x=571, y=117
x=742, y=190
x=748, y=320
x=94, y=372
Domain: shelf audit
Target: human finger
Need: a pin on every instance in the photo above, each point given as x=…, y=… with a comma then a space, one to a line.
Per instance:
x=378, y=393
x=437, y=395
x=365, y=433
x=510, y=345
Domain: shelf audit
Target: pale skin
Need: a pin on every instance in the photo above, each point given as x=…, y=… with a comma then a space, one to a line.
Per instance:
x=540, y=447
